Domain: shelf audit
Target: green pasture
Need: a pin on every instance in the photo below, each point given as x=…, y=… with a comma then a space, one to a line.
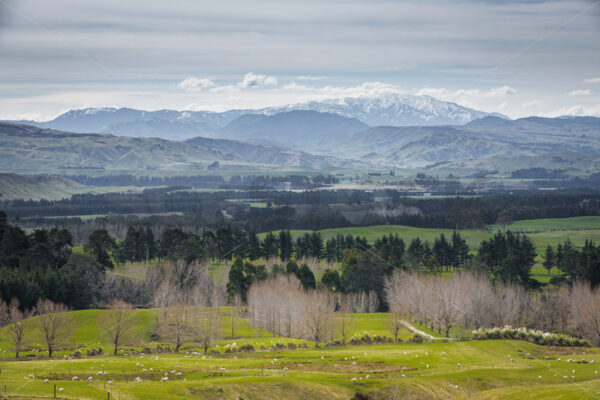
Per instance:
x=541, y=231
x=462, y=370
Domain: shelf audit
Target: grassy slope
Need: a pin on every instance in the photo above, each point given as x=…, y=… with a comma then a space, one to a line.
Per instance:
x=86, y=331
x=395, y=371
x=14, y=186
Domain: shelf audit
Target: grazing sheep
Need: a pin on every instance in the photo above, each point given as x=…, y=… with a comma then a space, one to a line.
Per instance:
x=353, y=380
x=61, y=389
x=75, y=378
x=46, y=381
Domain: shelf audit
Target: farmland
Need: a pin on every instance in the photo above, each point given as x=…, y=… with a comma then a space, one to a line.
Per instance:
x=440, y=370
x=541, y=231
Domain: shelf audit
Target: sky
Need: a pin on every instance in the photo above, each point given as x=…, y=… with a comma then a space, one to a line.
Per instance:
x=519, y=58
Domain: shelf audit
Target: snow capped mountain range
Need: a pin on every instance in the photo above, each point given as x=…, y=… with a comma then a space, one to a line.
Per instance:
x=388, y=109
x=393, y=110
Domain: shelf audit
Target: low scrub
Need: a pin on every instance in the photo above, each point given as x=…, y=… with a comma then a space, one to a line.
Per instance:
x=365, y=338
x=529, y=335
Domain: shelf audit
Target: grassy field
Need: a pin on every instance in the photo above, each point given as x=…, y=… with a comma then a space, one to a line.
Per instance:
x=541, y=231
x=498, y=369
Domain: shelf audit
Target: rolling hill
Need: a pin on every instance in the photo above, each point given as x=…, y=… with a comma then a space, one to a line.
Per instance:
x=415, y=147
x=29, y=150
x=36, y=187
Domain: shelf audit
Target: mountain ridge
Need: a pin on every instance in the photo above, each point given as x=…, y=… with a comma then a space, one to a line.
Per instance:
x=388, y=109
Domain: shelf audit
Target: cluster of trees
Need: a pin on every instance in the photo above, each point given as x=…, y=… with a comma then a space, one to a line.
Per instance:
x=243, y=274
x=574, y=264
x=42, y=265
x=53, y=323
x=281, y=305
x=509, y=257
x=473, y=300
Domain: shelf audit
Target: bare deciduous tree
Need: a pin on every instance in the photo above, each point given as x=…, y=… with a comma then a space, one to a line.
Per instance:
x=280, y=305
x=4, y=313
x=208, y=326
x=53, y=319
x=317, y=316
x=16, y=325
x=117, y=322
x=177, y=325
x=585, y=303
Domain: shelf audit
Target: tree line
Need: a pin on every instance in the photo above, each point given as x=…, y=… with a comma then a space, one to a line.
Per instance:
x=312, y=210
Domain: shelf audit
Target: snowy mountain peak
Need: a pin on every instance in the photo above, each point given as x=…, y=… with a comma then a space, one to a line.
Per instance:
x=392, y=109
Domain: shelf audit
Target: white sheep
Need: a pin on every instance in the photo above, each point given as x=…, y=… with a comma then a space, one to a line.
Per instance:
x=353, y=380
x=46, y=381
x=75, y=378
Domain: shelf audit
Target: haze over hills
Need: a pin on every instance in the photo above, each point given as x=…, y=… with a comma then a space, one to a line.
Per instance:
x=29, y=149
x=412, y=147
x=490, y=143
x=389, y=109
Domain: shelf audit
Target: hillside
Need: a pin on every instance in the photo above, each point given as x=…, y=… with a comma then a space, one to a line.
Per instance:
x=487, y=369
x=37, y=187
x=26, y=148
x=491, y=137
x=29, y=150
x=262, y=154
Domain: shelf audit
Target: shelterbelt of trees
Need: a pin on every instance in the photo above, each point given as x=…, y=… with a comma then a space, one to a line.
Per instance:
x=159, y=209
x=43, y=265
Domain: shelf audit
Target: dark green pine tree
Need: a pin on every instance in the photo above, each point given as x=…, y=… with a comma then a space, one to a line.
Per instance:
x=285, y=245
x=253, y=250
x=550, y=259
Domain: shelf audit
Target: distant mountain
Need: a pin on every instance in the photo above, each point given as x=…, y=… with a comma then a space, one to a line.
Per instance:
x=488, y=137
x=29, y=149
x=166, y=124
x=395, y=110
x=390, y=109
x=180, y=129
x=298, y=127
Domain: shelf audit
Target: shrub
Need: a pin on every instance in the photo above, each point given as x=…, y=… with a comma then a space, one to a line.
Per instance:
x=292, y=346
x=247, y=347
x=529, y=335
x=278, y=346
